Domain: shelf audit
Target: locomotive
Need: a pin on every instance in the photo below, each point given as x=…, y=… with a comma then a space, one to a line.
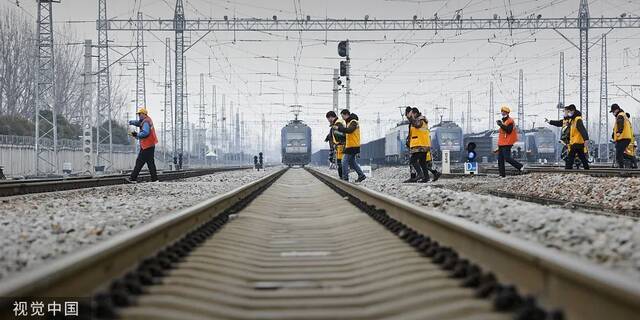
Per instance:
x=296, y=143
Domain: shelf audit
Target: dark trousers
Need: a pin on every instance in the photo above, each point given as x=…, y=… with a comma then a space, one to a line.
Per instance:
x=419, y=163
x=577, y=150
x=621, y=146
x=145, y=156
x=504, y=154
x=339, y=165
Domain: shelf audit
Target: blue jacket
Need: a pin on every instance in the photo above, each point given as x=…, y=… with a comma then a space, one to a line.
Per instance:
x=145, y=130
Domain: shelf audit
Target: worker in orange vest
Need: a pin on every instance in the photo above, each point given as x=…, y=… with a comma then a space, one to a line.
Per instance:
x=148, y=141
x=507, y=137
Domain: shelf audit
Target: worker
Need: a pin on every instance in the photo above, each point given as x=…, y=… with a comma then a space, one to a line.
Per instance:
x=420, y=146
x=336, y=140
x=148, y=141
x=564, y=124
x=578, y=136
x=622, y=136
x=507, y=137
x=630, y=151
x=407, y=115
x=352, y=144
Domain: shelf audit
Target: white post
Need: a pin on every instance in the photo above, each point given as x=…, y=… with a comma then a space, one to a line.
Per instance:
x=446, y=165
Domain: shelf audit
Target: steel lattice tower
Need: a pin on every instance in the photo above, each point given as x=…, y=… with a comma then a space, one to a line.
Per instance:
x=202, y=120
x=87, y=108
x=583, y=22
x=214, y=119
x=141, y=97
x=521, y=100
x=179, y=25
x=561, y=98
x=451, y=109
x=223, y=125
x=492, y=118
x=45, y=112
x=103, y=111
x=603, y=125
x=169, y=139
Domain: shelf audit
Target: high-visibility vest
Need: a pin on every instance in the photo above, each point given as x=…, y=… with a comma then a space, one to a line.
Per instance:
x=353, y=139
x=574, y=134
x=420, y=136
x=627, y=131
x=150, y=140
x=507, y=139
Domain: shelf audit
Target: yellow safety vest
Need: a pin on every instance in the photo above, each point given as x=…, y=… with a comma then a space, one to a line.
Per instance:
x=420, y=136
x=339, y=146
x=353, y=139
x=631, y=149
x=627, y=131
x=574, y=135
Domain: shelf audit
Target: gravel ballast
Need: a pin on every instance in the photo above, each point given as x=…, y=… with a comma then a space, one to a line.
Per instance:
x=40, y=227
x=610, y=241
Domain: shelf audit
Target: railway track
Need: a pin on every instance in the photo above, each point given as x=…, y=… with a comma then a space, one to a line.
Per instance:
x=633, y=213
x=594, y=172
x=291, y=246
x=18, y=187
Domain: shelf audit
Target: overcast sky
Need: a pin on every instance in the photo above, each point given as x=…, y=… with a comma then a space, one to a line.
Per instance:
x=390, y=69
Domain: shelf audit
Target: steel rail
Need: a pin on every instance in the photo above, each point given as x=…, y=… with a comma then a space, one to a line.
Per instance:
x=20, y=187
x=581, y=289
x=599, y=172
x=82, y=273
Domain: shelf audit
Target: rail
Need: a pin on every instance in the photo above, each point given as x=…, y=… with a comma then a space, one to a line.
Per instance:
x=581, y=289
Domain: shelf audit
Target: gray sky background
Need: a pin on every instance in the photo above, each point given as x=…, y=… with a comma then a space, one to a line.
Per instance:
x=390, y=69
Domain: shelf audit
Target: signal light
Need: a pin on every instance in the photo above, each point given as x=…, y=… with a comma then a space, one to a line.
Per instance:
x=343, y=69
x=343, y=48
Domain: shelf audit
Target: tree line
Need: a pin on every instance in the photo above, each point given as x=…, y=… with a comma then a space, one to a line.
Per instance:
x=18, y=66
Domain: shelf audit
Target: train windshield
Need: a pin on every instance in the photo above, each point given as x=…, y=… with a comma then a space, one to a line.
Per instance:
x=545, y=143
x=296, y=139
x=449, y=139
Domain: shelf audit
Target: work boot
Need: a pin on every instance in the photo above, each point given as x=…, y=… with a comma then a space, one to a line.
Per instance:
x=425, y=180
x=360, y=179
x=411, y=180
x=129, y=180
x=436, y=176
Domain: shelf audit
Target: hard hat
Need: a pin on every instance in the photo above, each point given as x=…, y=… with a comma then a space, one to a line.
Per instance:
x=142, y=110
x=505, y=109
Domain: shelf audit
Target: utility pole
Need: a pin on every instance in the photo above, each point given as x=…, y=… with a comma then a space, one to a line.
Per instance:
x=179, y=25
x=223, y=125
x=521, y=100
x=46, y=134
x=237, y=128
x=141, y=97
x=561, y=100
x=104, y=158
x=87, y=108
x=451, y=109
x=231, y=126
x=170, y=136
x=336, y=89
x=202, y=120
x=262, y=149
x=469, y=127
x=214, y=121
x=185, y=113
x=492, y=118
x=603, y=127
x=378, y=127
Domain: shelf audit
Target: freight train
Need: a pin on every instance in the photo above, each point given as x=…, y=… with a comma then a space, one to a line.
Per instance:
x=296, y=143
x=533, y=145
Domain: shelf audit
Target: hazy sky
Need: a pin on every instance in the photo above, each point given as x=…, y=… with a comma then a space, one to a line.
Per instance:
x=390, y=69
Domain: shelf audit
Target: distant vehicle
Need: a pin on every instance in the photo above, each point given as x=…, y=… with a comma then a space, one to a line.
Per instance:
x=541, y=144
x=447, y=136
x=395, y=144
x=296, y=143
x=372, y=152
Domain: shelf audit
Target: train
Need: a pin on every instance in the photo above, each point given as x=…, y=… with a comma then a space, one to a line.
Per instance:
x=296, y=143
x=534, y=145
x=392, y=149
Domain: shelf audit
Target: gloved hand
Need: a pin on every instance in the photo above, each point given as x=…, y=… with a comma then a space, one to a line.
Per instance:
x=134, y=134
x=499, y=122
x=546, y=120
